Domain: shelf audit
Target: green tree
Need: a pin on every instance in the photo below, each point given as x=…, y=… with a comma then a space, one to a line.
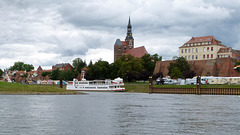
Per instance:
x=176, y=73
x=78, y=64
x=133, y=65
x=99, y=70
x=236, y=64
x=20, y=66
x=1, y=73
x=44, y=74
x=56, y=74
x=181, y=64
x=148, y=63
x=67, y=75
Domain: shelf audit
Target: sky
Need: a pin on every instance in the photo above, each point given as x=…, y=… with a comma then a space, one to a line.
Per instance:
x=48, y=32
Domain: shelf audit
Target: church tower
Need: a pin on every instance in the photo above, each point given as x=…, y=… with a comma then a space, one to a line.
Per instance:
x=129, y=38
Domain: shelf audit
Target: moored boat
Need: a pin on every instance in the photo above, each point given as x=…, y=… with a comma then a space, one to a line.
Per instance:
x=96, y=85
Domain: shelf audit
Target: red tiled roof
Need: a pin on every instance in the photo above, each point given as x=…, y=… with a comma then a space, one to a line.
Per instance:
x=84, y=69
x=224, y=50
x=49, y=70
x=136, y=52
x=39, y=68
x=124, y=43
x=211, y=39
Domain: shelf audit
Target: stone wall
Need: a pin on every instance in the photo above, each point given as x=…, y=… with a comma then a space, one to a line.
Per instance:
x=222, y=67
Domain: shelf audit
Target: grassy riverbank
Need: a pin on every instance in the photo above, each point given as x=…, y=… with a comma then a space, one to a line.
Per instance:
x=136, y=87
x=24, y=89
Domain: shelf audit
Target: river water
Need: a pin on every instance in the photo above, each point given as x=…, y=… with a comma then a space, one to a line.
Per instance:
x=100, y=113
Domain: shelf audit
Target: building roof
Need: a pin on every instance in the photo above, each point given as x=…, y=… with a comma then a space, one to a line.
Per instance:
x=61, y=65
x=84, y=69
x=124, y=43
x=39, y=68
x=224, y=50
x=137, y=52
x=210, y=40
x=118, y=42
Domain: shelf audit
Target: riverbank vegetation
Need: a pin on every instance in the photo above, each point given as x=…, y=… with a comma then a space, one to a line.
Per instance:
x=26, y=89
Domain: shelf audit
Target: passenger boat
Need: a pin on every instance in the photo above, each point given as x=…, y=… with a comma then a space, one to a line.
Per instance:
x=96, y=85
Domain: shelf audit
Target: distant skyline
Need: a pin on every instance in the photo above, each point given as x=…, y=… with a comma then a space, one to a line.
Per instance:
x=45, y=33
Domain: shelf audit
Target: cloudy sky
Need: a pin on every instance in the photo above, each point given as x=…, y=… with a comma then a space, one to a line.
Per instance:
x=47, y=32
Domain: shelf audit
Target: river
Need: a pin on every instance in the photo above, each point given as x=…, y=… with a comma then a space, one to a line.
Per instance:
x=100, y=113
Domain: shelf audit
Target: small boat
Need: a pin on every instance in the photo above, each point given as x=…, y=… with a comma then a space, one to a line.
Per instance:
x=96, y=85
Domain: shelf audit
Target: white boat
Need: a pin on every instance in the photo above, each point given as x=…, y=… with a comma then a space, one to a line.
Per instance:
x=96, y=85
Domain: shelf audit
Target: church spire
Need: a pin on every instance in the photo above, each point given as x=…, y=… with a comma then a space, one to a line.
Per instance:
x=129, y=30
x=129, y=38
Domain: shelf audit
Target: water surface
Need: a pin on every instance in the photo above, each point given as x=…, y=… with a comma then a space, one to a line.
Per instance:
x=119, y=113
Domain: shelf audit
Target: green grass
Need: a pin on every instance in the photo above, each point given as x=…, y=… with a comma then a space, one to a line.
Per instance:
x=25, y=89
x=136, y=87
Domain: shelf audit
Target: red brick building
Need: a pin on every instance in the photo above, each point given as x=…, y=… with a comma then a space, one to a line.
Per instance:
x=63, y=67
x=127, y=47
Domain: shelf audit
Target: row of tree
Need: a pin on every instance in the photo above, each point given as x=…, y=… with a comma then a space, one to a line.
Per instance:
x=126, y=67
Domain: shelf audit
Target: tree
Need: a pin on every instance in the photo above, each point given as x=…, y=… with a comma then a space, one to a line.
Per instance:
x=176, y=73
x=78, y=64
x=182, y=65
x=55, y=74
x=1, y=73
x=99, y=70
x=148, y=63
x=20, y=66
x=236, y=64
x=28, y=67
x=44, y=74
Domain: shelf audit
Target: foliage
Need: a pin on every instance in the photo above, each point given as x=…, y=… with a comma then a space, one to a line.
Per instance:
x=236, y=64
x=1, y=73
x=20, y=66
x=189, y=74
x=148, y=63
x=157, y=75
x=65, y=75
x=78, y=64
x=55, y=74
x=176, y=73
x=181, y=65
x=99, y=70
x=44, y=74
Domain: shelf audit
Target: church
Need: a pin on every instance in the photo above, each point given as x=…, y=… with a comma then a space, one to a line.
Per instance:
x=127, y=47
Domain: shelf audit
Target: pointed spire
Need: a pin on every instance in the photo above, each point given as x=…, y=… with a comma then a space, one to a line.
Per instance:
x=129, y=21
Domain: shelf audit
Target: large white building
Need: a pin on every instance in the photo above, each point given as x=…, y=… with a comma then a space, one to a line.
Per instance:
x=204, y=48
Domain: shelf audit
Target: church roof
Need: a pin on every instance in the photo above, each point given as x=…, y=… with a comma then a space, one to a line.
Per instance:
x=124, y=43
x=137, y=52
x=118, y=42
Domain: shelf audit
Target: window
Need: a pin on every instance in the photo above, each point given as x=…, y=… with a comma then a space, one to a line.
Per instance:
x=204, y=56
x=189, y=57
x=196, y=50
x=207, y=48
x=204, y=49
x=192, y=57
x=193, y=50
x=196, y=57
x=208, y=56
x=189, y=50
x=185, y=57
x=182, y=50
x=211, y=55
x=185, y=50
x=211, y=48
